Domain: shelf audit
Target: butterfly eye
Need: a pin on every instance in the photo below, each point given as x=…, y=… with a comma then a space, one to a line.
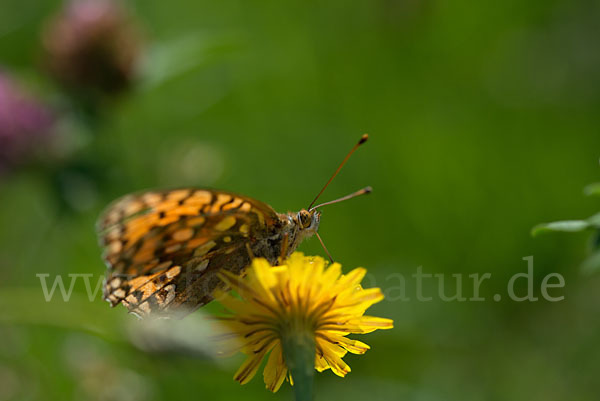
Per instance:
x=305, y=218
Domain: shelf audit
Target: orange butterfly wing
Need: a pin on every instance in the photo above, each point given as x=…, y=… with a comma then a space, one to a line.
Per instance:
x=163, y=249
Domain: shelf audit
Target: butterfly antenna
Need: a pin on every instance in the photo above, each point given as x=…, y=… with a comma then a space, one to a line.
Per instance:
x=324, y=247
x=364, y=191
x=362, y=140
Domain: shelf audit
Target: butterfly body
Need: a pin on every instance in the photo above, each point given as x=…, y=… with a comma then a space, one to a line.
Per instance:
x=164, y=249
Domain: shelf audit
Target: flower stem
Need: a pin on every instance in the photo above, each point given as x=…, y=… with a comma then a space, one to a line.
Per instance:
x=299, y=355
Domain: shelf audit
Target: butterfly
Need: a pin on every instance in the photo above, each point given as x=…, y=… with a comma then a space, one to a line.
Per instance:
x=164, y=249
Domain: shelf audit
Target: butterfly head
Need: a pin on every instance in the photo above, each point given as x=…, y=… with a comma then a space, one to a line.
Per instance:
x=300, y=225
x=308, y=221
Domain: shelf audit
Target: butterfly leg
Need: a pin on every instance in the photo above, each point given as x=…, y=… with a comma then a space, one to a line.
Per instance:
x=249, y=249
x=284, y=248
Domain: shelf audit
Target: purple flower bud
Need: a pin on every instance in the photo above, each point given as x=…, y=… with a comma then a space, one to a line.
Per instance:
x=25, y=123
x=92, y=46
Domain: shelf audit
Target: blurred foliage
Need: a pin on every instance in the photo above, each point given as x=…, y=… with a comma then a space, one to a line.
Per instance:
x=592, y=263
x=483, y=119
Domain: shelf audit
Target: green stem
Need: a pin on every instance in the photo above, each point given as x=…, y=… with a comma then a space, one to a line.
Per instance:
x=299, y=355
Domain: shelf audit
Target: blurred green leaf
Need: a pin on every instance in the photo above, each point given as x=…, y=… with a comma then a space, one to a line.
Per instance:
x=592, y=189
x=595, y=241
x=594, y=220
x=592, y=264
x=172, y=58
x=561, y=226
x=78, y=314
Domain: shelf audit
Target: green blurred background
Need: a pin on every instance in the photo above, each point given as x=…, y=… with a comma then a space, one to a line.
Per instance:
x=483, y=119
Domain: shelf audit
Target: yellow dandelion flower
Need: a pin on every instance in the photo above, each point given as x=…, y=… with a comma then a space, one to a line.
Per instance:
x=302, y=302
